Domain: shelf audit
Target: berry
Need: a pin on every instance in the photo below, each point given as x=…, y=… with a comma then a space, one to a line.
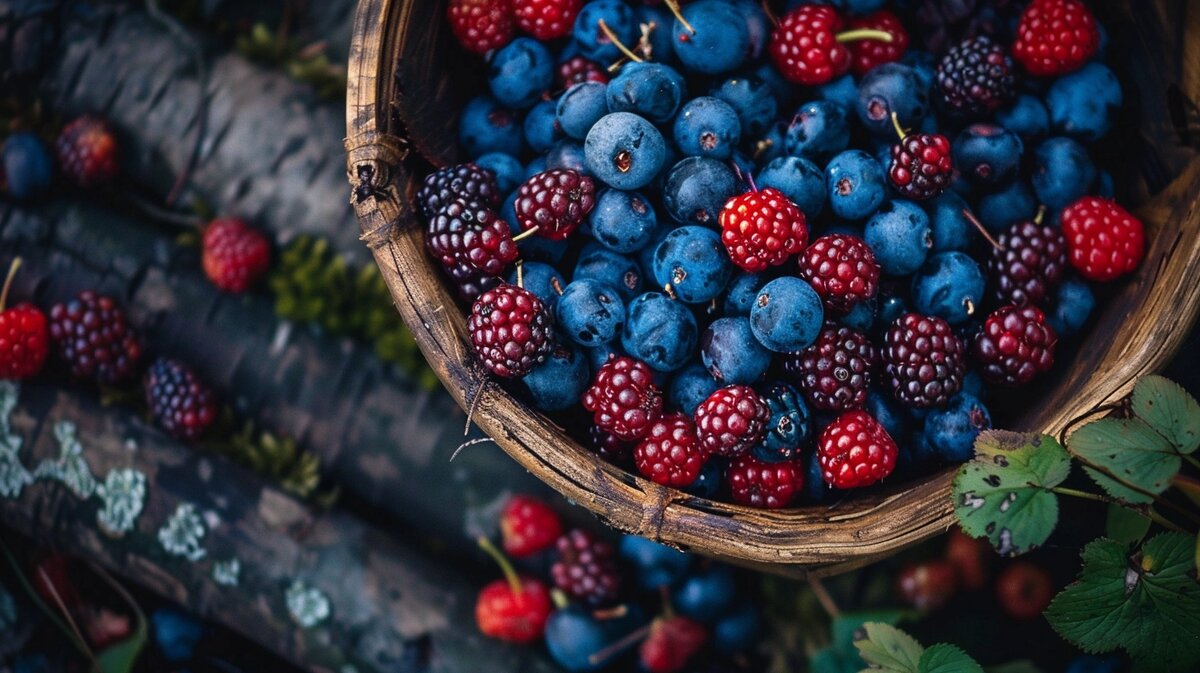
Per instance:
x=1055, y=37
x=951, y=432
x=1024, y=590
x=696, y=190
x=927, y=586
x=692, y=261
x=706, y=593
x=91, y=336
x=1104, y=240
x=26, y=169
x=805, y=47
x=948, y=285
x=527, y=526
x=1028, y=264
x=834, y=372
x=732, y=420
x=87, y=152
x=468, y=182
x=546, y=19
x=786, y=315
x=712, y=38
x=469, y=234
x=609, y=447
x=182, y=405
x=624, y=150
x=24, y=342
x=976, y=77
x=730, y=352
x=481, y=25
x=900, y=236
x=624, y=399
x=235, y=255
x=513, y=614
x=758, y=483
x=1015, y=345
x=672, y=642
x=578, y=69
x=855, y=185
x=707, y=127
x=970, y=558
x=866, y=54
x=555, y=202
x=670, y=454
x=520, y=73
x=855, y=450
x=586, y=568
x=511, y=330
x=842, y=269
x=790, y=427
x=656, y=565
x=924, y=361
x=921, y=166
x=762, y=229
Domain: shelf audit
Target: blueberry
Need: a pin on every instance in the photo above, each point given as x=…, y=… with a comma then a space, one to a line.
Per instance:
x=540, y=279
x=973, y=384
x=28, y=167
x=787, y=315
x=890, y=308
x=508, y=171
x=708, y=484
x=652, y=91
x=1000, y=210
x=731, y=353
x=590, y=312
x=599, y=263
x=884, y=410
x=861, y=316
x=1091, y=663
x=719, y=39
x=949, y=285
x=818, y=130
x=558, y=383
x=815, y=488
x=737, y=631
x=888, y=88
x=706, y=595
x=799, y=179
x=952, y=431
x=1073, y=303
x=645, y=256
x=1062, y=172
x=657, y=565
x=535, y=248
x=924, y=65
x=520, y=72
x=573, y=636
x=791, y=425
x=772, y=145
x=540, y=126
x=487, y=126
x=692, y=260
x=689, y=387
x=858, y=7
x=176, y=633
x=568, y=154
x=707, y=127
x=696, y=189
x=988, y=155
x=758, y=25
x=900, y=237
x=580, y=107
x=753, y=101
x=1084, y=104
x=536, y=165
x=855, y=183
x=950, y=226
x=594, y=44
x=659, y=331
x=1027, y=117
x=843, y=91
x=622, y=221
x=624, y=150
x=782, y=90
x=741, y=292
x=598, y=356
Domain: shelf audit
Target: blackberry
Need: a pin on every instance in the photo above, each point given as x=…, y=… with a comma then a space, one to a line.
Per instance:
x=466, y=232
x=921, y=165
x=732, y=420
x=577, y=70
x=976, y=77
x=609, y=447
x=93, y=339
x=842, y=269
x=466, y=181
x=1015, y=345
x=181, y=405
x=511, y=330
x=586, y=568
x=1028, y=265
x=834, y=372
x=923, y=360
x=623, y=398
x=555, y=202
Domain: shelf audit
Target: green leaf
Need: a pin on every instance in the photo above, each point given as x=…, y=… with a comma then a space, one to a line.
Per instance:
x=1129, y=449
x=1170, y=410
x=1125, y=525
x=1003, y=493
x=122, y=657
x=844, y=628
x=890, y=649
x=1147, y=603
x=945, y=658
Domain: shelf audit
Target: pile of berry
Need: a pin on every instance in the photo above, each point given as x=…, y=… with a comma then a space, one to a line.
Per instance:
x=771, y=253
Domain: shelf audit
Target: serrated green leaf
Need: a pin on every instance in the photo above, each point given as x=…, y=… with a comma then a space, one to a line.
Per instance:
x=1003, y=493
x=1147, y=603
x=842, y=630
x=1125, y=525
x=889, y=649
x=946, y=658
x=1170, y=410
x=1129, y=449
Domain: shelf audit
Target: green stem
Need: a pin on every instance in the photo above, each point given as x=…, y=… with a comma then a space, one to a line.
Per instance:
x=1163, y=521
x=1085, y=495
x=899, y=129
x=1191, y=460
x=506, y=567
x=865, y=34
x=1157, y=498
x=12, y=273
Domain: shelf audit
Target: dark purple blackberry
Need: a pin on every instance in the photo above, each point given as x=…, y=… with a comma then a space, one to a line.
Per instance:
x=555, y=202
x=511, y=330
x=466, y=181
x=1015, y=345
x=924, y=361
x=93, y=339
x=586, y=568
x=1028, y=265
x=471, y=284
x=470, y=232
x=179, y=402
x=834, y=372
x=976, y=77
x=921, y=166
x=609, y=447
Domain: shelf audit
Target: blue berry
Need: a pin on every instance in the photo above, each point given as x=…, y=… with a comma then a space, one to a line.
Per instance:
x=950, y=226
x=558, y=383
x=508, y=171
x=973, y=384
x=888, y=88
x=799, y=179
x=692, y=260
x=855, y=182
x=815, y=488
x=1062, y=172
x=580, y=107
x=28, y=167
x=696, y=189
x=952, y=431
x=1090, y=663
x=625, y=151
x=1027, y=117
x=706, y=595
x=791, y=425
x=535, y=166
x=885, y=410
x=787, y=315
x=900, y=237
x=598, y=356
x=740, y=293
x=593, y=43
x=818, y=130
x=176, y=633
x=988, y=155
x=486, y=126
x=540, y=126
x=858, y=7
x=924, y=65
x=645, y=256
x=707, y=127
x=599, y=263
x=720, y=41
x=731, y=353
x=753, y=101
x=737, y=631
x=949, y=285
x=570, y=154
x=659, y=331
x=652, y=91
x=843, y=91
x=573, y=636
x=590, y=312
x=521, y=72
x=1073, y=304
x=656, y=565
x=689, y=387
x=861, y=316
x=1000, y=210
x=1084, y=104
x=890, y=307
x=758, y=25
x=540, y=279
x=622, y=221
x=708, y=484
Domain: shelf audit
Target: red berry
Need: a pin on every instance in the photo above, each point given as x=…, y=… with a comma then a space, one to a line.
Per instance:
x=586, y=568
x=527, y=526
x=1055, y=37
x=513, y=615
x=672, y=642
x=91, y=335
x=970, y=558
x=546, y=19
x=236, y=255
x=927, y=586
x=24, y=341
x=866, y=54
x=670, y=454
x=1104, y=240
x=1015, y=345
x=758, y=483
x=921, y=166
x=555, y=202
x=805, y=48
x=511, y=330
x=842, y=269
x=924, y=361
x=1024, y=590
x=623, y=398
x=1028, y=264
x=855, y=450
x=52, y=581
x=178, y=401
x=470, y=233
x=732, y=420
x=762, y=229
x=481, y=25
x=835, y=371
x=87, y=152
x=578, y=69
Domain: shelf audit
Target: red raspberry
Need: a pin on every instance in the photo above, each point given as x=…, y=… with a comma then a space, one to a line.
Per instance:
x=470, y=233
x=511, y=330
x=555, y=202
x=1015, y=345
x=87, y=152
x=1029, y=263
x=609, y=447
x=762, y=229
x=623, y=398
x=481, y=25
x=924, y=361
x=182, y=405
x=586, y=568
x=527, y=526
x=513, y=613
x=1104, y=240
x=834, y=372
x=578, y=69
x=805, y=46
x=1055, y=37
x=672, y=642
x=758, y=483
x=91, y=335
x=24, y=341
x=670, y=454
x=921, y=166
x=546, y=19
x=866, y=54
x=842, y=269
x=855, y=450
x=732, y=420
x=235, y=255
x=1023, y=590
x=927, y=586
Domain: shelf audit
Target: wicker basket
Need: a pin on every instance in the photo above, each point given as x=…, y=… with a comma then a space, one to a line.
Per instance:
x=406, y=83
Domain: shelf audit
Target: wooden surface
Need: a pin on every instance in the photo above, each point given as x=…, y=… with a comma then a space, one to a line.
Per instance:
x=1137, y=331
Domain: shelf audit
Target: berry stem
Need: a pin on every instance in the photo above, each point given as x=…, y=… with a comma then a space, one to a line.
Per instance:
x=602, y=655
x=1041, y=215
x=673, y=5
x=896, y=125
x=556, y=286
x=766, y=8
x=644, y=46
x=612, y=37
x=669, y=290
x=559, y=598
x=824, y=598
x=8, y=280
x=969, y=306
x=616, y=612
x=506, y=567
x=525, y=234
x=520, y=274
x=864, y=34
x=982, y=229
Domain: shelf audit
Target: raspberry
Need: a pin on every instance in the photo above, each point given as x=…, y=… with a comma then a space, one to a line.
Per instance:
x=235, y=255
x=1023, y=590
x=762, y=229
x=670, y=454
x=805, y=48
x=672, y=642
x=758, y=483
x=1103, y=239
x=609, y=447
x=87, y=152
x=1015, y=345
x=842, y=269
x=976, y=77
x=578, y=69
x=1028, y=265
x=866, y=54
x=511, y=330
x=921, y=166
x=182, y=405
x=927, y=586
x=732, y=420
x=23, y=341
x=527, y=526
x=465, y=181
x=515, y=613
x=855, y=450
x=470, y=233
x=555, y=202
x=623, y=398
x=546, y=19
x=835, y=371
x=924, y=361
x=481, y=25
x=586, y=568
x=91, y=335
x=1055, y=37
